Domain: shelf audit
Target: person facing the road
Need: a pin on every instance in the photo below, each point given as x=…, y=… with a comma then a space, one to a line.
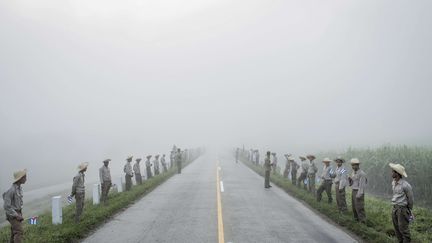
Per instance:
x=164, y=164
x=294, y=167
x=148, y=167
x=105, y=180
x=237, y=154
x=128, y=173
x=403, y=201
x=326, y=181
x=341, y=181
x=311, y=174
x=267, y=167
x=178, y=158
x=358, y=182
x=156, y=165
x=13, y=204
x=303, y=172
x=257, y=157
x=78, y=190
x=274, y=163
x=137, y=171
x=287, y=166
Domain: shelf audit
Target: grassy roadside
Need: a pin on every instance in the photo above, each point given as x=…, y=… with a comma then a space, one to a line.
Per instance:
x=378, y=227
x=92, y=217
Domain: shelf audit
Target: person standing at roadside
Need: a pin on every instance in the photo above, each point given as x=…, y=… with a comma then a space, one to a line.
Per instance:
x=303, y=173
x=156, y=165
x=287, y=166
x=137, y=171
x=105, y=180
x=274, y=163
x=358, y=182
x=164, y=164
x=128, y=173
x=311, y=174
x=178, y=158
x=148, y=167
x=78, y=190
x=13, y=205
x=294, y=168
x=341, y=181
x=403, y=201
x=267, y=167
x=326, y=181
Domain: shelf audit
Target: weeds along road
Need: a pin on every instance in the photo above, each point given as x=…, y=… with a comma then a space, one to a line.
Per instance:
x=208, y=204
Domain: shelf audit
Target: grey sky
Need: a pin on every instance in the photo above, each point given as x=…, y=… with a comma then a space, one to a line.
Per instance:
x=86, y=80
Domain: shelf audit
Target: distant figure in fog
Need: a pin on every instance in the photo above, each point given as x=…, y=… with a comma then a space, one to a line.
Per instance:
x=78, y=190
x=164, y=164
x=237, y=155
x=403, y=201
x=287, y=166
x=274, y=163
x=13, y=204
x=326, y=181
x=137, y=171
x=341, y=181
x=358, y=182
x=303, y=173
x=148, y=167
x=311, y=174
x=105, y=180
x=178, y=158
x=128, y=173
x=156, y=165
x=267, y=168
x=294, y=168
x=257, y=157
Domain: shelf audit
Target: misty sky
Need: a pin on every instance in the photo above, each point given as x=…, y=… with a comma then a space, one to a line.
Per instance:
x=88, y=80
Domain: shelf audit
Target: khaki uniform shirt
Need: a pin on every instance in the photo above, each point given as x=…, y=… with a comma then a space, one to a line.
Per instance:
x=156, y=164
x=178, y=157
x=305, y=166
x=148, y=163
x=325, y=175
x=78, y=184
x=104, y=174
x=341, y=177
x=359, y=182
x=13, y=201
x=312, y=170
x=163, y=161
x=136, y=168
x=267, y=164
x=402, y=193
x=128, y=169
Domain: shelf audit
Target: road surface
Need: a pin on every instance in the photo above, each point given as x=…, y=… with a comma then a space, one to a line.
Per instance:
x=233, y=206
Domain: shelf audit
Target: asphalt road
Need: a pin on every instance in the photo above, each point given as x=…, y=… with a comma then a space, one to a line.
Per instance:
x=185, y=209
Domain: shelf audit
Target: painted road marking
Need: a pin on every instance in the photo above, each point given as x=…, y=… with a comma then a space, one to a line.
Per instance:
x=221, y=186
x=219, y=208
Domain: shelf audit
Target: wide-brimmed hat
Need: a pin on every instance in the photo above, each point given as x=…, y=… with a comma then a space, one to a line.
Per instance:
x=290, y=158
x=339, y=159
x=148, y=156
x=19, y=174
x=129, y=157
x=355, y=161
x=138, y=159
x=399, y=169
x=327, y=160
x=302, y=157
x=311, y=157
x=107, y=160
x=82, y=166
x=157, y=156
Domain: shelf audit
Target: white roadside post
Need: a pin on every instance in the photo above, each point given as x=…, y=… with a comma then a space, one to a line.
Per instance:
x=119, y=184
x=57, y=215
x=95, y=194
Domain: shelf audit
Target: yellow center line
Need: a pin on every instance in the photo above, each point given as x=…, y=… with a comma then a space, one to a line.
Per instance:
x=219, y=207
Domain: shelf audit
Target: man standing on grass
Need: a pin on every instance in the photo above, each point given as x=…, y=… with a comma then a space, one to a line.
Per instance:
x=178, y=158
x=128, y=173
x=294, y=168
x=105, y=180
x=148, y=167
x=287, y=166
x=274, y=163
x=341, y=181
x=326, y=181
x=303, y=173
x=156, y=165
x=137, y=171
x=78, y=190
x=402, y=201
x=257, y=157
x=13, y=203
x=311, y=174
x=358, y=182
x=164, y=164
x=267, y=168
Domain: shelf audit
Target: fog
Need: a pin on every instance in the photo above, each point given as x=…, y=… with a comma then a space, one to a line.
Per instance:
x=90, y=80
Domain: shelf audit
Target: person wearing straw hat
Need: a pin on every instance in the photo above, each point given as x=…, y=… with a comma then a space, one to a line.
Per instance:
x=294, y=167
x=403, y=201
x=287, y=166
x=267, y=167
x=178, y=159
x=137, y=171
x=358, y=182
x=148, y=167
x=274, y=163
x=128, y=173
x=78, y=190
x=156, y=165
x=105, y=180
x=304, y=167
x=13, y=204
x=311, y=174
x=326, y=181
x=164, y=164
x=341, y=181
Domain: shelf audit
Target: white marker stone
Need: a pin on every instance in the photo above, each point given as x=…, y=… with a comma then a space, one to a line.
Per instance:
x=57, y=214
x=95, y=194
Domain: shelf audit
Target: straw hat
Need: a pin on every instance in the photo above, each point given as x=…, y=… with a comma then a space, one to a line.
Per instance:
x=399, y=169
x=339, y=159
x=148, y=156
x=290, y=158
x=326, y=160
x=157, y=156
x=355, y=161
x=83, y=166
x=311, y=157
x=19, y=174
x=138, y=159
x=129, y=157
x=302, y=157
x=107, y=160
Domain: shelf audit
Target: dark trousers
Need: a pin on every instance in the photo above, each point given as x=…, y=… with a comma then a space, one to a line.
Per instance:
x=267, y=179
x=286, y=172
x=326, y=186
x=79, y=198
x=358, y=207
x=340, y=198
x=294, y=177
x=128, y=182
x=400, y=218
x=17, y=231
x=301, y=179
x=138, y=178
x=105, y=187
x=311, y=183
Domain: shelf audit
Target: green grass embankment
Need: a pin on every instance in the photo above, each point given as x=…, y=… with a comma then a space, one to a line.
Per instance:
x=92, y=217
x=378, y=228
